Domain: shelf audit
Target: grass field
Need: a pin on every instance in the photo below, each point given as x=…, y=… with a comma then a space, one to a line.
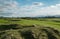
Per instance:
x=51, y=22
x=41, y=28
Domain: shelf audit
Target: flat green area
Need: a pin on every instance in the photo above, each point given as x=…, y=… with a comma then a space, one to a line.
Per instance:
x=51, y=22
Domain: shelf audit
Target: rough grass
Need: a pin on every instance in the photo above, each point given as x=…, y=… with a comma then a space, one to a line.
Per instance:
x=31, y=33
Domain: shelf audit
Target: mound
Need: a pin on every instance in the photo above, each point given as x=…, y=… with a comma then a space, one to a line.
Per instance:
x=31, y=33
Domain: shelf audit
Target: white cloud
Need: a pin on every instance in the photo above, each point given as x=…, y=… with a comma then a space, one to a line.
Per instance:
x=50, y=10
x=8, y=8
x=12, y=8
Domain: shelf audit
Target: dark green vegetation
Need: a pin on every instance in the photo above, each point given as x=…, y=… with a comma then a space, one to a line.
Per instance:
x=29, y=28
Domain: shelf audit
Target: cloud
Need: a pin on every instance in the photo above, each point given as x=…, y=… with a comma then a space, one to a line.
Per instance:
x=12, y=8
x=8, y=7
x=48, y=10
x=38, y=4
x=44, y=11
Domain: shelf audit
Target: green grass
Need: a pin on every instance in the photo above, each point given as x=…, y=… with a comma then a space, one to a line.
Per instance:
x=7, y=31
x=42, y=23
x=51, y=22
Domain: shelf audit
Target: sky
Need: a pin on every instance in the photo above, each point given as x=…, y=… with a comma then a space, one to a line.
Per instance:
x=29, y=8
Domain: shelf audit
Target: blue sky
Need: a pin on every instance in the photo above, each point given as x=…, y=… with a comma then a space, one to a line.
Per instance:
x=29, y=8
x=48, y=2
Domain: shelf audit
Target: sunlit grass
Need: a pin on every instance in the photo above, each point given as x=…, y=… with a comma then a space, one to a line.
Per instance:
x=45, y=22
